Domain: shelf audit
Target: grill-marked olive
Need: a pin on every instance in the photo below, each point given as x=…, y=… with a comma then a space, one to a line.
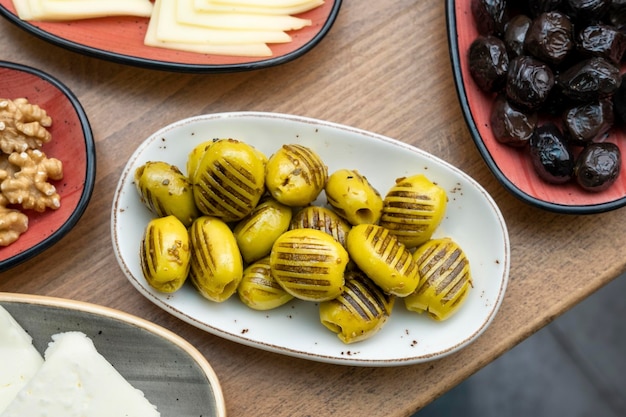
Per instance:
x=165, y=254
x=321, y=218
x=309, y=264
x=413, y=209
x=295, y=175
x=216, y=264
x=259, y=290
x=256, y=233
x=446, y=279
x=353, y=197
x=229, y=181
x=359, y=312
x=379, y=254
x=165, y=190
x=195, y=156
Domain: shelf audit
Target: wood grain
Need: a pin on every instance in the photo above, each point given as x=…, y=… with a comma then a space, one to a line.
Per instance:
x=383, y=67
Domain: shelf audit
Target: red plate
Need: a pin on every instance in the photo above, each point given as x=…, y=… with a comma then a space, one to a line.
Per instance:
x=93, y=37
x=510, y=166
x=72, y=143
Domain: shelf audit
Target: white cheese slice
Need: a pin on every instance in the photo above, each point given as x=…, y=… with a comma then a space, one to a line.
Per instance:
x=243, y=49
x=19, y=360
x=263, y=3
x=80, y=9
x=168, y=29
x=212, y=6
x=76, y=381
x=187, y=14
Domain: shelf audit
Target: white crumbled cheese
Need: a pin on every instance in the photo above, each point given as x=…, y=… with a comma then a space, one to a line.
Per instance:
x=19, y=360
x=76, y=381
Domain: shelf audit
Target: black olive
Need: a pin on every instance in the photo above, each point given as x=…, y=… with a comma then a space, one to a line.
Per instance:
x=587, y=10
x=602, y=40
x=515, y=34
x=588, y=122
x=537, y=7
x=550, y=154
x=528, y=82
x=488, y=63
x=490, y=16
x=511, y=125
x=550, y=37
x=590, y=79
x=598, y=166
x=619, y=102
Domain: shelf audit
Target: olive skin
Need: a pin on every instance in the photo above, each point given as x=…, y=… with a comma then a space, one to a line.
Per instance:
x=216, y=263
x=446, y=279
x=490, y=16
x=166, y=191
x=488, y=63
x=598, y=166
x=359, y=312
x=259, y=290
x=588, y=122
x=165, y=254
x=195, y=156
x=353, y=197
x=229, y=180
x=550, y=37
x=590, y=79
x=550, y=154
x=385, y=260
x=528, y=82
x=511, y=125
x=602, y=40
x=323, y=219
x=256, y=233
x=515, y=34
x=295, y=175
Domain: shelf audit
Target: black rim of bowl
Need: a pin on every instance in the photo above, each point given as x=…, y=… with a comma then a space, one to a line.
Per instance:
x=484, y=152
x=173, y=66
x=90, y=171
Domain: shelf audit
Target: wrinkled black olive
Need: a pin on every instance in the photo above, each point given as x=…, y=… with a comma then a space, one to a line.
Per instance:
x=511, y=125
x=488, y=63
x=490, y=16
x=515, y=34
x=550, y=154
x=619, y=102
x=587, y=10
x=602, y=40
x=588, y=122
x=537, y=7
x=528, y=82
x=550, y=37
x=590, y=79
x=598, y=166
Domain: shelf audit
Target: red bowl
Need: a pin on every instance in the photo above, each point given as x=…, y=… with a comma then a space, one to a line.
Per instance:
x=72, y=143
x=93, y=37
x=510, y=166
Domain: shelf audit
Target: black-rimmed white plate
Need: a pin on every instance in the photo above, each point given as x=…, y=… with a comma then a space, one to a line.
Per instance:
x=172, y=374
x=120, y=39
x=472, y=219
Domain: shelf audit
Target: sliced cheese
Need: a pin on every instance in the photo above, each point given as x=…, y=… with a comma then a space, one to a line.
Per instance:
x=185, y=13
x=243, y=49
x=19, y=360
x=263, y=3
x=76, y=381
x=212, y=6
x=81, y=9
x=169, y=29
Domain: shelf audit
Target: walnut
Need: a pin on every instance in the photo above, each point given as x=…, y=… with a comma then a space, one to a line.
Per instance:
x=29, y=186
x=22, y=126
x=12, y=223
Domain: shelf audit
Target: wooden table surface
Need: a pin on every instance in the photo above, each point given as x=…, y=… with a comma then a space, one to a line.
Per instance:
x=384, y=67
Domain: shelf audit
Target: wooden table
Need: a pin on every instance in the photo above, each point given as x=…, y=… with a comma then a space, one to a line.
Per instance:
x=384, y=67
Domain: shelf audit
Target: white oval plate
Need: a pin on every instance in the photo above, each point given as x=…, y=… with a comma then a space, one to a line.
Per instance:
x=172, y=374
x=472, y=219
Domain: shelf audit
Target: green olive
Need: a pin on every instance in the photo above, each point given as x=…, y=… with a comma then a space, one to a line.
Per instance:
x=166, y=191
x=216, y=264
x=309, y=264
x=195, y=156
x=295, y=175
x=321, y=218
x=165, y=254
x=446, y=279
x=256, y=233
x=259, y=290
x=353, y=197
x=359, y=312
x=413, y=209
x=380, y=255
x=229, y=180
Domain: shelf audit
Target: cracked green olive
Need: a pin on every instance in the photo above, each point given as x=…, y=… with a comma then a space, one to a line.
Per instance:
x=353, y=197
x=259, y=290
x=324, y=219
